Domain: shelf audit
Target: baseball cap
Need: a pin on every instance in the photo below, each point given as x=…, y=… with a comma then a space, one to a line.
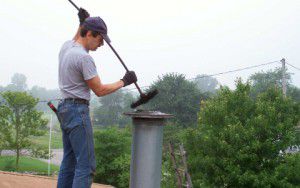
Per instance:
x=96, y=24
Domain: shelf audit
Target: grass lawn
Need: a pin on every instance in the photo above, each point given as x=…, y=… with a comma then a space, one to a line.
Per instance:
x=26, y=164
x=56, y=140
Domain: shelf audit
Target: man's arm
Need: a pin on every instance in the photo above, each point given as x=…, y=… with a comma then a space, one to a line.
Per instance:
x=77, y=34
x=82, y=15
x=103, y=89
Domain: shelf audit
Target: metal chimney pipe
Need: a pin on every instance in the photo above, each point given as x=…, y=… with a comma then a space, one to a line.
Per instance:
x=146, y=148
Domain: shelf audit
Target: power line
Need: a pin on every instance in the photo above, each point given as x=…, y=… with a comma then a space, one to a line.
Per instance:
x=226, y=72
x=46, y=101
x=293, y=66
x=51, y=100
x=236, y=70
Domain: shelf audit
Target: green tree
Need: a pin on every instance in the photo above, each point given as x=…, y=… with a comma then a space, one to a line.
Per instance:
x=262, y=81
x=177, y=96
x=2, y=88
x=20, y=120
x=5, y=127
x=206, y=83
x=112, y=108
x=297, y=129
x=112, y=152
x=45, y=95
x=238, y=139
x=18, y=83
x=294, y=92
x=288, y=172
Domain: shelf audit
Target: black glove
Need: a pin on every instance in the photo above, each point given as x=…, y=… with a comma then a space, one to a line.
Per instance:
x=82, y=15
x=129, y=78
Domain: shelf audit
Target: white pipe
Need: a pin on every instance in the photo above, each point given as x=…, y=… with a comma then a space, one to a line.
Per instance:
x=49, y=159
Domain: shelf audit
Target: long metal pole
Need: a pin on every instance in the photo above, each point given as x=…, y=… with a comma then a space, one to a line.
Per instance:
x=49, y=158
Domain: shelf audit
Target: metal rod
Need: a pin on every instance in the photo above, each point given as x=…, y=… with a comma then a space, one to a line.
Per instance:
x=74, y=4
x=115, y=52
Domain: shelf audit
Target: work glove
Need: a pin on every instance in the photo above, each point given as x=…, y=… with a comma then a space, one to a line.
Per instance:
x=129, y=78
x=82, y=15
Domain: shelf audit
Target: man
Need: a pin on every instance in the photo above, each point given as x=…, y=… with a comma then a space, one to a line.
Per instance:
x=77, y=76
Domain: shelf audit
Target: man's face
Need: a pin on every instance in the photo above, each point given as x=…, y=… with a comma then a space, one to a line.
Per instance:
x=94, y=42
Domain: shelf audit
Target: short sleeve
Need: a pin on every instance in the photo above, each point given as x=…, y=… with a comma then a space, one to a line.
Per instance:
x=89, y=69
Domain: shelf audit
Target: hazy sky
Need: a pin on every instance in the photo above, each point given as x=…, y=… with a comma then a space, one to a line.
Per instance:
x=153, y=37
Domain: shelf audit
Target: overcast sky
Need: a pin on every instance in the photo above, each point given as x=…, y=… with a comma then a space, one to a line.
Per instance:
x=153, y=37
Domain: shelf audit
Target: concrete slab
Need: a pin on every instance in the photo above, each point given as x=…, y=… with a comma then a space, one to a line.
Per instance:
x=18, y=180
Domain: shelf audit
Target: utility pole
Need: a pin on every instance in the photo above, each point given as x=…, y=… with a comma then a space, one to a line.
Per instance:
x=283, y=77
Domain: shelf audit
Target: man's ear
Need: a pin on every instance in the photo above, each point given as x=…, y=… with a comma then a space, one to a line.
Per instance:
x=89, y=34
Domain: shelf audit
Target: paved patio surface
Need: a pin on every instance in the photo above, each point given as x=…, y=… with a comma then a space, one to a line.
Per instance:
x=17, y=180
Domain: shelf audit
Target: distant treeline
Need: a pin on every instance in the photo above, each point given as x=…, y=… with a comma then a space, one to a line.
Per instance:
x=177, y=95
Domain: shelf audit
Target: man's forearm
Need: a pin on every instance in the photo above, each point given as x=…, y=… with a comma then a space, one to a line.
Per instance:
x=106, y=89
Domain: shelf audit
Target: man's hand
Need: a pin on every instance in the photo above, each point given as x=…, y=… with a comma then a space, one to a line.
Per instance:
x=82, y=15
x=129, y=78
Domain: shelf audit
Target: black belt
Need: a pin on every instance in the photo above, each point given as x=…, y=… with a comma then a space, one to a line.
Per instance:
x=77, y=100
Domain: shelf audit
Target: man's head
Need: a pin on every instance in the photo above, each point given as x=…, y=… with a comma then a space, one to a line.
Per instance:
x=94, y=31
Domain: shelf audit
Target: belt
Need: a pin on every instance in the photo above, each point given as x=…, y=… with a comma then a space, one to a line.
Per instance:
x=77, y=101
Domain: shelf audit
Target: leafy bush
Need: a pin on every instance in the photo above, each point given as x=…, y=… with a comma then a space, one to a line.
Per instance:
x=41, y=152
x=238, y=140
x=112, y=150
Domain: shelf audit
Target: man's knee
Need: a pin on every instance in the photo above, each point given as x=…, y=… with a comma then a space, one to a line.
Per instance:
x=84, y=171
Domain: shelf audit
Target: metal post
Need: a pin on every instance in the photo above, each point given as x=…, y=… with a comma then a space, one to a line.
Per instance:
x=283, y=77
x=146, y=148
x=49, y=159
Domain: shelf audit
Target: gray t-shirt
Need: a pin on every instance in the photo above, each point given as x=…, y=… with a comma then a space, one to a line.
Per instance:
x=75, y=66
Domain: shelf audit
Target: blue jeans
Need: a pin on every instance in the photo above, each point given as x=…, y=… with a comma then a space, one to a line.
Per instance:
x=78, y=165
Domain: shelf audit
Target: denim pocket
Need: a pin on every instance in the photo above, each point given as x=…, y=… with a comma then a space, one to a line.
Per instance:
x=60, y=111
x=69, y=116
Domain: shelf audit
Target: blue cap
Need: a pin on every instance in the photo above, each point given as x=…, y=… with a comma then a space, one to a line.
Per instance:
x=96, y=24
